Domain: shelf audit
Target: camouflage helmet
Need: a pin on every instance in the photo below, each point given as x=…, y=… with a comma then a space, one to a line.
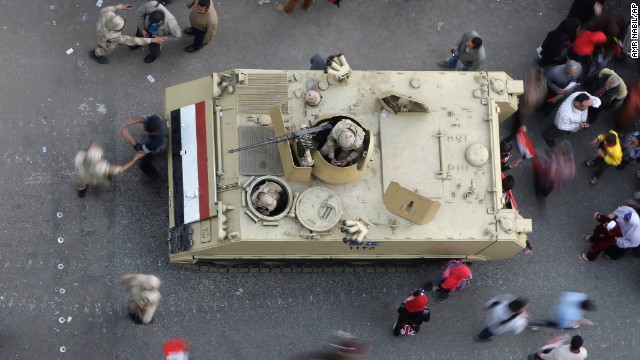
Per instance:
x=94, y=154
x=350, y=136
x=266, y=200
x=347, y=139
x=116, y=23
x=152, y=282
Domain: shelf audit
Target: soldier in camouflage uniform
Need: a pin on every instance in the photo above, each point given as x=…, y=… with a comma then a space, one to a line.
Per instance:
x=145, y=296
x=348, y=139
x=265, y=198
x=110, y=28
x=93, y=169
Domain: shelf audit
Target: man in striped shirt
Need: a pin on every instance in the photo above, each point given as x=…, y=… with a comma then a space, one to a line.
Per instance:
x=571, y=116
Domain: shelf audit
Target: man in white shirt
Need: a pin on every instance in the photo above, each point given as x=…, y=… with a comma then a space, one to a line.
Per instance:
x=573, y=351
x=571, y=116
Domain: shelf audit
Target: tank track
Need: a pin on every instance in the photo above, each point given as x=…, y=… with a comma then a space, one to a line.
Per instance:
x=313, y=268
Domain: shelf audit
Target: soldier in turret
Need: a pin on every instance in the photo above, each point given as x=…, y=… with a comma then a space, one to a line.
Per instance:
x=110, y=28
x=348, y=139
x=265, y=198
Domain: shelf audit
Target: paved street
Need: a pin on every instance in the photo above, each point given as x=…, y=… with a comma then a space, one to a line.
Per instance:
x=61, y=256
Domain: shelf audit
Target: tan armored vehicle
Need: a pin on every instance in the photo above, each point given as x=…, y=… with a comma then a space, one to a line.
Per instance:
x=361, y=166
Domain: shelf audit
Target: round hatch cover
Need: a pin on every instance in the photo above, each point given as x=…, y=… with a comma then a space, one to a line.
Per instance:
x=318, y=209
x=477, y=155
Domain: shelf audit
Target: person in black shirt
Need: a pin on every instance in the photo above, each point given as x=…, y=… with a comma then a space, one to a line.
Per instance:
x=153, y=142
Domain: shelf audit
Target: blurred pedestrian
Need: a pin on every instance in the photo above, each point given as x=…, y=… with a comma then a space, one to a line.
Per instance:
x=155, y=20
x=204, y=24
x=584, y=10
x=553, y=169
x=627, y=115
x=467, y=55
x=630, y=149
x=609, y=154
x=176, y=349
x=346, y=346
x=571, y=116
x=629, y=223
x=153, y=142
x=145, y=296
x=412, y=313
x=554, y=47
x=110, y=28
x=571, y=351
x=611, y=24
x=291, y=5
x=604, y=235
x=455, y=276
x=92, y=169
x=568, y=312
x=506, y=313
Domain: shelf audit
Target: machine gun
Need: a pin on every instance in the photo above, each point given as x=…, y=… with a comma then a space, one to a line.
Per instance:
x=302, y=133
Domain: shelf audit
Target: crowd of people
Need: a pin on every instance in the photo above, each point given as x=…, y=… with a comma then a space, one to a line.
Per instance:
x=572, y=68
x=572, y=79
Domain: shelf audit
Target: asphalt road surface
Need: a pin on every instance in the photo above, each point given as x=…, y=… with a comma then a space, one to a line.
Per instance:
x=57, y=294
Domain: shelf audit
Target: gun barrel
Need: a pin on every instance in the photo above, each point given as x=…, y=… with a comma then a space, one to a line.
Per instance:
x=291, y=136
x=247, y=147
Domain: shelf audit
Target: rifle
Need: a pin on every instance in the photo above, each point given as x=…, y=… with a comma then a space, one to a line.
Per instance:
x=296, y=134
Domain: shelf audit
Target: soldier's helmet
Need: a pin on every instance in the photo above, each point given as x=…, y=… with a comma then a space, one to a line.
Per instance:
x=116, y=23
x=312, y=98
x=347, y=139
x=152, y=282
x=266, y=201
x=94, y=154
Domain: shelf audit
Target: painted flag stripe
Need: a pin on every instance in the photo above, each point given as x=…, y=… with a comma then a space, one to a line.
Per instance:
x=190, y=191
x=203, y=176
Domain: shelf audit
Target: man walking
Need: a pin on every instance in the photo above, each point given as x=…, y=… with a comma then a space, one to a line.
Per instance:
x=571, y=116
x=204, y=24
x=154, y=141
x=572, y=351
x=145, y=296
x=568, y=312
x=507, y=313
x=110, y=28
x=454, y=277
x=609, y=154
x=467, y=55
x=93, y=169
x=155, y=20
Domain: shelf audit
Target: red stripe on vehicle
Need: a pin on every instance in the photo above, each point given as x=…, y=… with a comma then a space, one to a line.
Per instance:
x=203, y=174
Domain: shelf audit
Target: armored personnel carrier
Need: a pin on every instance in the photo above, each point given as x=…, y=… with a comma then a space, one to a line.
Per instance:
x=411, y=170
